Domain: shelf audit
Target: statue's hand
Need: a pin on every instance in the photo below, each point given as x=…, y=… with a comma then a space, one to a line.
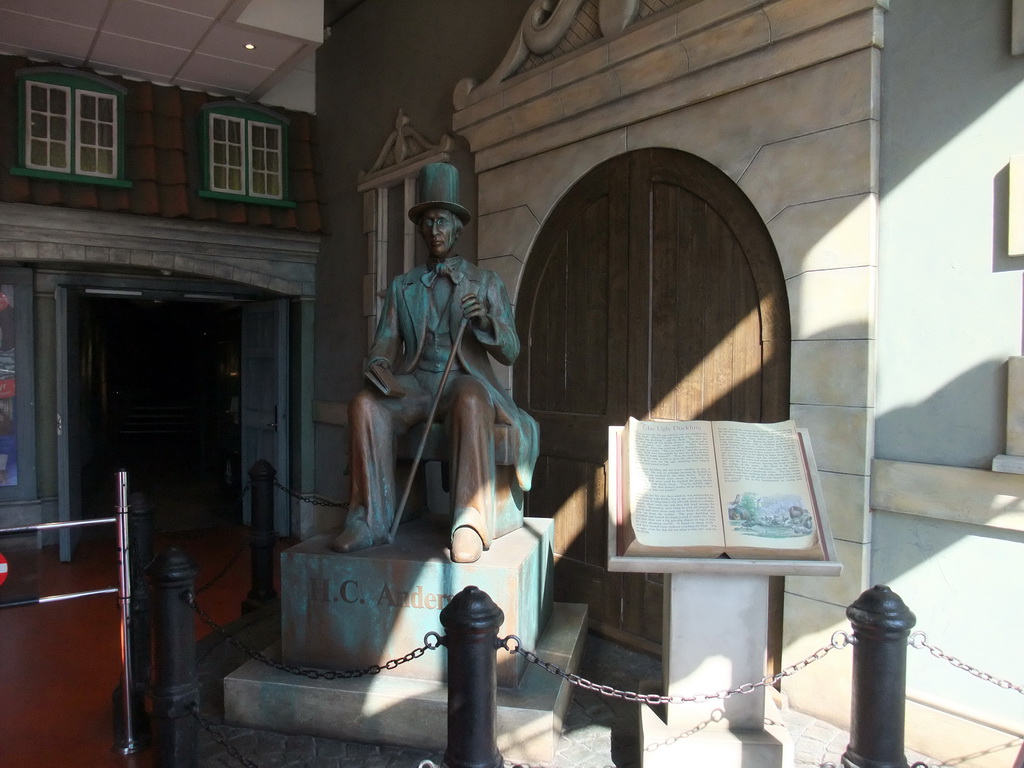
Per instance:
x=474, y=310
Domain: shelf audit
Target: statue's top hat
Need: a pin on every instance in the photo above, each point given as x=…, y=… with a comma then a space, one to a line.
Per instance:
x=438, y=187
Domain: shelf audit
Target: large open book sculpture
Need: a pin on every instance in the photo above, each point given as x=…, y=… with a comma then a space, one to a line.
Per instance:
x=714, y=489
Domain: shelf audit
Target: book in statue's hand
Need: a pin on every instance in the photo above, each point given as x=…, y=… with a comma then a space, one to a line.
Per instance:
x=383, y=379
x=714, y=488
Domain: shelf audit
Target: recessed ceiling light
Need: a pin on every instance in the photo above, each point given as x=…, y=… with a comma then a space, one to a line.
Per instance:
x=250, y=47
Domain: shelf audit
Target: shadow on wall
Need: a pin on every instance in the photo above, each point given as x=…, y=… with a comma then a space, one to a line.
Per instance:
x=962, y=424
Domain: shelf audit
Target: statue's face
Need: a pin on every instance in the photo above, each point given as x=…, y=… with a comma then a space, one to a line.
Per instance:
x=439, y=230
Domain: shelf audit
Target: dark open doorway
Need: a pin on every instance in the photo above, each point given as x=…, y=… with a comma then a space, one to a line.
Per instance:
x=159, y=397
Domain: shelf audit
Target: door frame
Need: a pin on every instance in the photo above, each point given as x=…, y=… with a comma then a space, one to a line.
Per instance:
x=281, y=424
x=69, y=289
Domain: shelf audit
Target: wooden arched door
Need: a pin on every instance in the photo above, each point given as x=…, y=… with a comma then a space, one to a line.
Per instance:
x=653, y=290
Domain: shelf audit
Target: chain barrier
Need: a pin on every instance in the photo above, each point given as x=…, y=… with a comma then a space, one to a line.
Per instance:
x=919, y=641
x=207, y=726
x=840, y=640
x=224, y=571
x=431, y=642
x=309, y=499
x=512, y=644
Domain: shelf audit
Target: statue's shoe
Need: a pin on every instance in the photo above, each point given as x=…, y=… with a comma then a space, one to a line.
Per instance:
x=356, y=536
x=467, y=546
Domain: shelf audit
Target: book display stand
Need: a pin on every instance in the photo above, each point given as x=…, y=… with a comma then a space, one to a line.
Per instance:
x=714, y=639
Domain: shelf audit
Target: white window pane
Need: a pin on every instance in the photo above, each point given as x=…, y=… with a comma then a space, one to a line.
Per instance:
x=58, y=155
x=95, y=136
x=105, y=161
x=87, y=107
x=46, y=121
x=87, y=160
x=58, y=128
x=38, y=98
x=37, y=126
x=39, y=153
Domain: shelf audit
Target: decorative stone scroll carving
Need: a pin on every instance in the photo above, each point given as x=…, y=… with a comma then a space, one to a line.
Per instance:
x=544, y=28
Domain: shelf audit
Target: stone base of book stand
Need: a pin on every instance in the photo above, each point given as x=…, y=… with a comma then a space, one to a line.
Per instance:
x=715, y=639
x=667, y=747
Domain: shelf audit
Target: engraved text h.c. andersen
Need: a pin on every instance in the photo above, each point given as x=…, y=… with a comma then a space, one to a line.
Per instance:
x=386, y=596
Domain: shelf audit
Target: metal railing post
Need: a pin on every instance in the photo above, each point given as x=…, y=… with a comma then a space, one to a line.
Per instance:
x=881, y=625
x=471, y=621
x=140, y=553
x=175, y=687
x=261, y=536
x=127, y=736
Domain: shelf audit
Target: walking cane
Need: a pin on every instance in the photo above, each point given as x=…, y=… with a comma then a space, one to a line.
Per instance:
x=426, y=430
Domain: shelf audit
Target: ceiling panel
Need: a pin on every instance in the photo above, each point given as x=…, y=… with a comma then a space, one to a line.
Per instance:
x=211, y=9
x=27, y=35
x=230, y=74
x=155, y=24
x=192, y=43
x=87, y=13
x=228, y=41
x=130, y=55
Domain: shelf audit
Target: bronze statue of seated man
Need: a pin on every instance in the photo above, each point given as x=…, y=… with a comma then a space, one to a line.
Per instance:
x=416, y=335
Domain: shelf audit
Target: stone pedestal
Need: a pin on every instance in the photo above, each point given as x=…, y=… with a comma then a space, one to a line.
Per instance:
x=407, y=711
x=349, y=612
x=352, y=611
x=715, y=638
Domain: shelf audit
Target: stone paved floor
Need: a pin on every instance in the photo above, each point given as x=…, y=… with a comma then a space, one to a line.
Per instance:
x=598, y=732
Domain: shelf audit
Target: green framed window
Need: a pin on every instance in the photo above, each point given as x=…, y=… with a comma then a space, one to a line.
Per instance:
x=70, y=126
x=245, y=154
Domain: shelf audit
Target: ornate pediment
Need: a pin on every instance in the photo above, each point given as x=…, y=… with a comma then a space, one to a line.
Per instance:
x=404, y=150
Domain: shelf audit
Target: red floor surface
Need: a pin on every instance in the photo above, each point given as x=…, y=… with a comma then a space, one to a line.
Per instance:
x=60, y=661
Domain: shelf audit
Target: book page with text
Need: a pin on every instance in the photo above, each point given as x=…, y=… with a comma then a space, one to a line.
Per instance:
x=673, y=493
x=764, y=485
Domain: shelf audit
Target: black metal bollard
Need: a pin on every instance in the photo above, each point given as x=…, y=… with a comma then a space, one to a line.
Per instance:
x=140, y=533
x=175, y=688
x=261, y=536
x=140, y=529
x=471, y=621
x=881, y=625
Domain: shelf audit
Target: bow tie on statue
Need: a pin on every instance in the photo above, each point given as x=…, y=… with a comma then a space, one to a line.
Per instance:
x=452, y=267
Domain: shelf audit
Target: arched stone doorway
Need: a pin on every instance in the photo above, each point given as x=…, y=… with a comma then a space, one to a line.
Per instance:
x=653, y=290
